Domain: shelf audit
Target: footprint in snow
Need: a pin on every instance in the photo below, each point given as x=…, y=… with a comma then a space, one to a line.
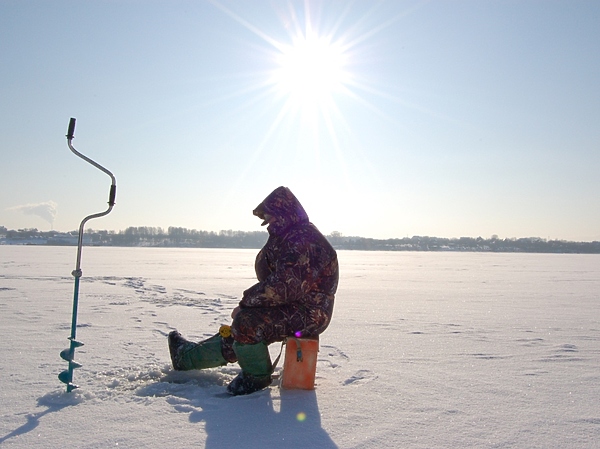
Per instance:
x=361, y=377
x=331, y=357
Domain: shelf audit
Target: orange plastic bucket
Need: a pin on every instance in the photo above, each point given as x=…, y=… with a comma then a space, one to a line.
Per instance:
x=300, y=364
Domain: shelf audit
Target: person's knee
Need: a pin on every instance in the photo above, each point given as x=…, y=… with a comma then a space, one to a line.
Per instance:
x=246, y=327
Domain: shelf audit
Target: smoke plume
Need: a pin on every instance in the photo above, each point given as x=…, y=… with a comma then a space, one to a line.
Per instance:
x=46, y=211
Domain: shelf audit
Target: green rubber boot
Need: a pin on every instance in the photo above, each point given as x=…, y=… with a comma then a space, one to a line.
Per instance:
x=256, y=369
x=187, y=355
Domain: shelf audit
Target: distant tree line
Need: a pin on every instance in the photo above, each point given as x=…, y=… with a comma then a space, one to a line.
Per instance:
x=138, y=236
x=181, y=237
x=493, y=244
x=191, y=238
x=176, y=237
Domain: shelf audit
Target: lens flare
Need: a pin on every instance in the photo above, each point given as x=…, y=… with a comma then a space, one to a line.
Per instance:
x=301, y=416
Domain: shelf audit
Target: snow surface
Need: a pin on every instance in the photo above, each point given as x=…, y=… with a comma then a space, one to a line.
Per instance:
x=426, y=350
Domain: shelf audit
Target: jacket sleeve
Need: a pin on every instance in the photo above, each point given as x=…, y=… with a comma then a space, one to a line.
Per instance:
x=289, y=282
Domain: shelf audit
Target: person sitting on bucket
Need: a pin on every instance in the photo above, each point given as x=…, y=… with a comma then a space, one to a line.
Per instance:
x=297, y=272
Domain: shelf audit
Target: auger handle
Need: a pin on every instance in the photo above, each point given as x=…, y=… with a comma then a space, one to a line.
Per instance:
x=112, y=195
x=71, y=131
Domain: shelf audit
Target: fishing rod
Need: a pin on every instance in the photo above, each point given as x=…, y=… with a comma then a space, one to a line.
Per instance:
x=69, y=353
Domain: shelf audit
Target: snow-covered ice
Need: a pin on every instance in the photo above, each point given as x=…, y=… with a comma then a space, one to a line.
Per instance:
x=425, y=350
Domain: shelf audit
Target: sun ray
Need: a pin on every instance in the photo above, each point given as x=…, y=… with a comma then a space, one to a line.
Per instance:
x=307, y=75
x=274, y=42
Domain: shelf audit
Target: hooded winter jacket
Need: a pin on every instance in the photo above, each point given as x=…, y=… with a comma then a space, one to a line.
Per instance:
x=297, y=266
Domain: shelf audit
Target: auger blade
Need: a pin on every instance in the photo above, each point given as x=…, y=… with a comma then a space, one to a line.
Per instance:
x=65, y=377
x=75, y=343
x=74, y=364
x=66, y=354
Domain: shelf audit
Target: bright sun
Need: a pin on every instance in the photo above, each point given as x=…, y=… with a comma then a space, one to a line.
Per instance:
x=310, y=70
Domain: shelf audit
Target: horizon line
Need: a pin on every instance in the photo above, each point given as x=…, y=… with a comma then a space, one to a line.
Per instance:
x=331, y=234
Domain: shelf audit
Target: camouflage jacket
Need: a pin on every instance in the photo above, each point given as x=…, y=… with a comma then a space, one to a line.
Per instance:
x=297, y=264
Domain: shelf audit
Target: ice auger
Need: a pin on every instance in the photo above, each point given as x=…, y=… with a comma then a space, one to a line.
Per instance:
x=69, y=353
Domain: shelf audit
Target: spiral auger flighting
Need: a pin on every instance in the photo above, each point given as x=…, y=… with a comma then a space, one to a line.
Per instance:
x=69, y=353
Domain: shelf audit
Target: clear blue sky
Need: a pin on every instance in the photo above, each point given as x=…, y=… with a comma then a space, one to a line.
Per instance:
x=386, y=119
